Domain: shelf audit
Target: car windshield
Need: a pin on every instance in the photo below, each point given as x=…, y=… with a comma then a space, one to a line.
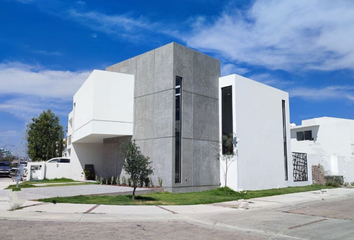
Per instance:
x=53, y=161
x=4, y=164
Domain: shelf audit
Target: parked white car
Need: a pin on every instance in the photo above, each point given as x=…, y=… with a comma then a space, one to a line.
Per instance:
x=59, y=160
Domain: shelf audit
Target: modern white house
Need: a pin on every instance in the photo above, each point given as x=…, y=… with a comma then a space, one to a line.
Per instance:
x=167, y=101
x=327, y=141
x=176, y=107
x=259, y=117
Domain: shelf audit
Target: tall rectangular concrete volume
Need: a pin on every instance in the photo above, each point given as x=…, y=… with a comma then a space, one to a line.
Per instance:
x=176, y=120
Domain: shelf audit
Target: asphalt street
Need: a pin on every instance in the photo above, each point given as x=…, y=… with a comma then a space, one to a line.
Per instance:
x=312, y=215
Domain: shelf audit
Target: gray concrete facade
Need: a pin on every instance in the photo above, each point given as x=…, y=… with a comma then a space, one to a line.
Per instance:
x=154, y=114
x=112, y=161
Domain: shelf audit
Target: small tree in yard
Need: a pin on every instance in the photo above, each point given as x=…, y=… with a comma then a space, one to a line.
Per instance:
x=135, y=164
x=228, y=154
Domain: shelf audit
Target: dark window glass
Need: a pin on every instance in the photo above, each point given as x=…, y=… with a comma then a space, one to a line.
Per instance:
x=226, y=118
x=64, y=160
x=178, y=116
x=300, y=136
x=284, y=141
x=308, y=135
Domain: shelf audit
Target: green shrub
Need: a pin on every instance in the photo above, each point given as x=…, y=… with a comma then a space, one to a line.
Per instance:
x=112, y=179
x=160, y=181
x=334, y=181
x=97, y=179
x=147, y=180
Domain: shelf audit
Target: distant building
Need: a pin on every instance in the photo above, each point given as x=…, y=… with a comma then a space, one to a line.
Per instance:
x=327, y=141
x=4, y=153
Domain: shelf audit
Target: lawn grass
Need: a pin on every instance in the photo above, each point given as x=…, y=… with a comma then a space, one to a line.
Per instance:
x=55, y=180
x=57, y=183
x=166, y=198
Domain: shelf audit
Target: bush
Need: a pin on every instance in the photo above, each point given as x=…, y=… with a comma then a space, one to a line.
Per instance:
x=334, y=181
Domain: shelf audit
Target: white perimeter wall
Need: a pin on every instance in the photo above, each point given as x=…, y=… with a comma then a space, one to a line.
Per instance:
x=58, y=170
x=258, y=124
x=334, y=165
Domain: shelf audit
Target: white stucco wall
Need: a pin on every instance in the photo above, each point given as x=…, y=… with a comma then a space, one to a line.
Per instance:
x=85, y=153
x=103, y=106
x=58, y=170
x=258, y=123
x=332, y=136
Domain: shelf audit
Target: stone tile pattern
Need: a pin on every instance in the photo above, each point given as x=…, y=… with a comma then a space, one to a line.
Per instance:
x=154, y=101
x=318, y=175
x=50, y=230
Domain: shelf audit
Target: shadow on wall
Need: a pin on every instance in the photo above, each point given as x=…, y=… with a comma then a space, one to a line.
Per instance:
x=113, y=158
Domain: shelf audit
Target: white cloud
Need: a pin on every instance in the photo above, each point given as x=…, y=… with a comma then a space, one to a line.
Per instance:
x=48, y=53
x=9, y=133
x=281, y=34
x=227, y=69
x=19, y=78
x=31, y=89
x=325, y=93
x=268, y=79
x=25, y=1
x=117, y=25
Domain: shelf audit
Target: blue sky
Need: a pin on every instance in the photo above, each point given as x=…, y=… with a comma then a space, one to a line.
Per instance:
x=48, y=48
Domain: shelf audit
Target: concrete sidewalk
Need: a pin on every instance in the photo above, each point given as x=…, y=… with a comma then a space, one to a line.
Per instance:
x=324, y=215
x=286, y=202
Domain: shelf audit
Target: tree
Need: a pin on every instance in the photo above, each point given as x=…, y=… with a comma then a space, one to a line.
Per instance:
x=229, y=153
x=45, y=137
x=135, y=164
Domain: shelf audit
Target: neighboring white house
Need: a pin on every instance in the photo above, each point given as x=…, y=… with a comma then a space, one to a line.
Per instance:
x=327, y=141
x=102, y=108
x=259, y=116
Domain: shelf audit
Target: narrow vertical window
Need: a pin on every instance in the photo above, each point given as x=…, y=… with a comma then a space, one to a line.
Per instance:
x=178, y=117
x=284, y=141
x=226, y=118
